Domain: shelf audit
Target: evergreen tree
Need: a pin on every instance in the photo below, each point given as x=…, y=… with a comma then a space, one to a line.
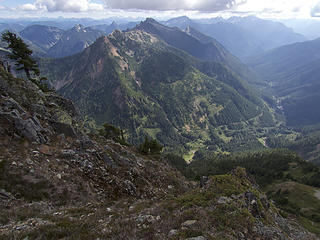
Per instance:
x=150, y=146
x=21, y=54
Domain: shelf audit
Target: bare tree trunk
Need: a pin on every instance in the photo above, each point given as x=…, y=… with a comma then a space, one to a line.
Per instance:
x=27, y=73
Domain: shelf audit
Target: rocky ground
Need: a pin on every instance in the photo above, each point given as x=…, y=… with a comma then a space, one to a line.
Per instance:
x=58, y=182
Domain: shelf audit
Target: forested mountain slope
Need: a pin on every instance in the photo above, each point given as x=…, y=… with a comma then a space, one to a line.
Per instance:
x=136, y=81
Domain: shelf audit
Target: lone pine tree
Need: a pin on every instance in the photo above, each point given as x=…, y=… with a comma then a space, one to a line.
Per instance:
x=21, y=54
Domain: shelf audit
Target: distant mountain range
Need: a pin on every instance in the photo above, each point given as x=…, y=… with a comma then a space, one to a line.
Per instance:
x=306, y=27
x=74, y=41
x=49, y=41
x=243, y=37
x=11, y=26
x=55, y=42
x=43, y=36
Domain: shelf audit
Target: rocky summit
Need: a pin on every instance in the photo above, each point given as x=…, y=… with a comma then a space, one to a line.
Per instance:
x=59, y=182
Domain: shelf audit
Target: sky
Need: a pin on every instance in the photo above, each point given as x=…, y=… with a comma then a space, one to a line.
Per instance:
x=304, y=9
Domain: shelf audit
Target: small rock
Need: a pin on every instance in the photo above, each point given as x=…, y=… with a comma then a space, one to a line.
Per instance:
x=5, y=195
x=52, y=104
x=224, y=200
x=29, y=161
x=188, y=224
x=203, y=181
x=197, y=238
x=172, y=232
x=130, y=187
x=21, y=227
x=91, y=150
x=64, y=128
x=45, y=149
x=14, y=163
x=87, y=143
x=59, y=176
x=67, y=153
x=241, y=235
x=146, y=218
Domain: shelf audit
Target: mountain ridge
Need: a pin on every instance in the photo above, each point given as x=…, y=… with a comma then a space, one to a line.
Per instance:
x=207, y=51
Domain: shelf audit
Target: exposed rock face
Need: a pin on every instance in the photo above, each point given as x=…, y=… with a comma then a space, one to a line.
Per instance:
x=18, y=121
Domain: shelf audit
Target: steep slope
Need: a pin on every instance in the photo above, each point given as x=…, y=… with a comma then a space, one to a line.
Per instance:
x=208, y=51
x=198, y=35
x=74, y=41
x=292, y=72
x=140, y=83
x=43, y=36
x=181, y=40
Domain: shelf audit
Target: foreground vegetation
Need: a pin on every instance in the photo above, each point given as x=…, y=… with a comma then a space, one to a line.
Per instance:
x=286, y=178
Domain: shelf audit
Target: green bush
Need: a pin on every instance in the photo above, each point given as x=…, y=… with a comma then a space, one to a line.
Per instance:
x=112, y=132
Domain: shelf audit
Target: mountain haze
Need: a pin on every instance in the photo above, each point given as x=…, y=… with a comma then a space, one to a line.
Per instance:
x=73, y=41
x=43, y=36
x=293, y=74
x=242, y=36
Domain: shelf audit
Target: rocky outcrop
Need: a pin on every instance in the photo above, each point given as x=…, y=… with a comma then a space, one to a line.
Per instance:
x=27, y=112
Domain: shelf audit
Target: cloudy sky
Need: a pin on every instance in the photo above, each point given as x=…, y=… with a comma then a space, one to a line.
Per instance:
x=163, y=8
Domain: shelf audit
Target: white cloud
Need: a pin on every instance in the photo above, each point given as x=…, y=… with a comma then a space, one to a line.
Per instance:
x=205, y=8
x=315, y=10
x=165, y=5
x=62, y=6
x=279, y=8
x=28, y=7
